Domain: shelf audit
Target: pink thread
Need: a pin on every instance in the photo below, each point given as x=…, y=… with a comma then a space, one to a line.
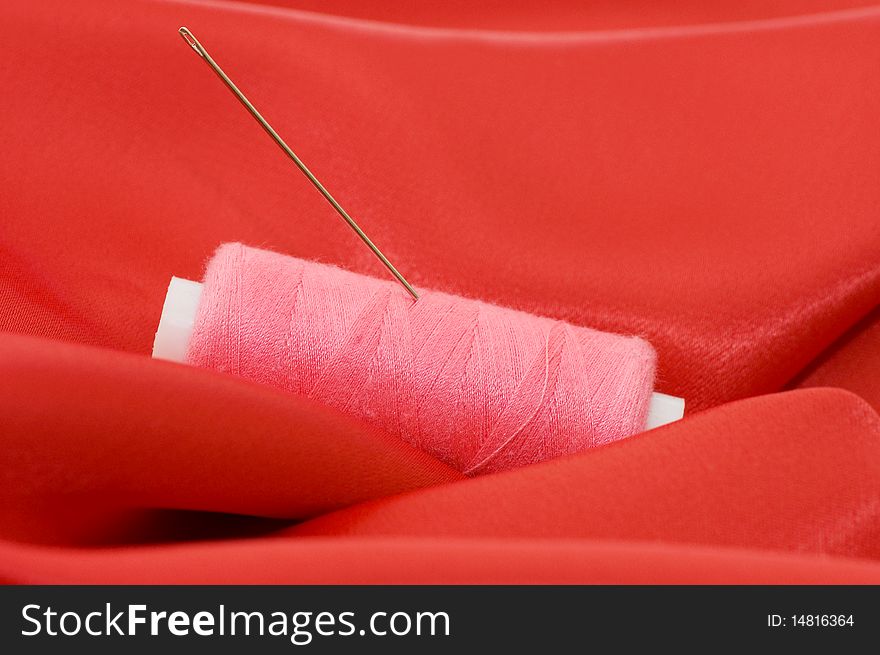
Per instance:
x=480, y=387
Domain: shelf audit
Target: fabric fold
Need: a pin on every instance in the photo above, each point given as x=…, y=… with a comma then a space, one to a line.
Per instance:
x=91, y=436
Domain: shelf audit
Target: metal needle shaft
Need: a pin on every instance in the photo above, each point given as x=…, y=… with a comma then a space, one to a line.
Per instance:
x=200, y=50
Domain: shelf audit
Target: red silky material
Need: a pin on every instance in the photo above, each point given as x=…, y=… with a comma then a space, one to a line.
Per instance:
x=704, y=175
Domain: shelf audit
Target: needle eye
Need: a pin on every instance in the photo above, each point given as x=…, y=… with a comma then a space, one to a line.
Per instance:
x=191, y=41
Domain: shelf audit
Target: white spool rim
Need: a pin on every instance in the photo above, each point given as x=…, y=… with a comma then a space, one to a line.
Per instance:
x=177, y=320
x=664, y=409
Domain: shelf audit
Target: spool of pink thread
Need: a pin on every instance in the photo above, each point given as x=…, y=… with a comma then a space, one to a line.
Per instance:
x=481, y=387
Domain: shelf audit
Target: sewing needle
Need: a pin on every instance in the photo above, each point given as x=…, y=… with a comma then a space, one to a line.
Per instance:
x=193, y=42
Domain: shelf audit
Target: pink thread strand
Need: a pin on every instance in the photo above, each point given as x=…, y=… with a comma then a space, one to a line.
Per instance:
x=481, y=387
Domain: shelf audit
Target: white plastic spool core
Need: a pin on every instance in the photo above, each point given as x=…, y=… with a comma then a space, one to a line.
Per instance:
x=179, y=315
x=177, y=320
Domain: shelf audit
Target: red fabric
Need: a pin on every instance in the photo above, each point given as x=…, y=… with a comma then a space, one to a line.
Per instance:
x=743, y=457
x=848, y=362
x=701, y=174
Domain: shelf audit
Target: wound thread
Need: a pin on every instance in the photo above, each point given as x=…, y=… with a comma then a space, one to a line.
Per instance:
x=481, y=387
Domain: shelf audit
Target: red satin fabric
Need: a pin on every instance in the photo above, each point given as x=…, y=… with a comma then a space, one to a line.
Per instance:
x=704, y=175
